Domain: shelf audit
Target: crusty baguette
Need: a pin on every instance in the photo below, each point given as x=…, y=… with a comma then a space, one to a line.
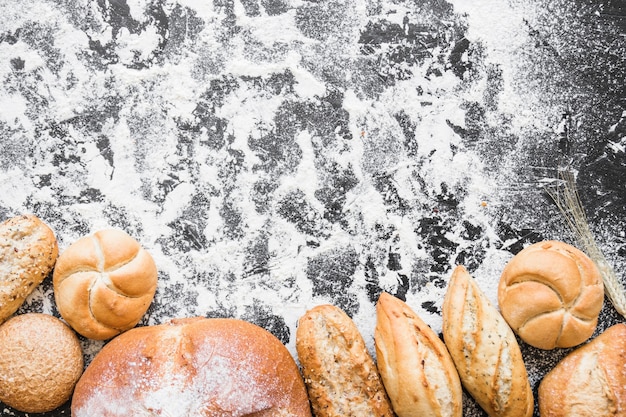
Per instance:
x=485, y=350
x=415, y=366
x=590, y=381
x=28, y=252
x=340, y=374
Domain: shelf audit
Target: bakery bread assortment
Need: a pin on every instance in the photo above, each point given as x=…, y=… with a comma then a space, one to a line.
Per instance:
x=484, y=349
x=590, y=381
x=417, y=370
x=192, y=367
x=340, y=374
x=28, y=252
x=40, y=362
x=551, y=294
x=104, y=283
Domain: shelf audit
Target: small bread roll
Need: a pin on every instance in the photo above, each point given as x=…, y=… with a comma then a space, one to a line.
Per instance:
x=40, y=362
x=590, y=381
x=551, y=294
x=416, y=368
x=28, y=252
x=340, y=375
x=104, y=283
x=192, y=367
x=484, y=350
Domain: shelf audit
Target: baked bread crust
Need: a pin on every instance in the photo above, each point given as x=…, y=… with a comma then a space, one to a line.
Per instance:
x=340, y=374
x=41, y=361
x=28, y=252
x=484, y=350
x=415, y=366
x=590, y=381
x=104, y=283
x=192, y=367
x=551, y=294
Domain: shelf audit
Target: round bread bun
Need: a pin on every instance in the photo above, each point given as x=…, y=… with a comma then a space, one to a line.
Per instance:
x=40, y=362
x=551, y=294
x=192, y=367
x=104, y=283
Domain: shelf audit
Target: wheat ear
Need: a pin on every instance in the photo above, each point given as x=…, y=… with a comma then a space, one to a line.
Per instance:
x=569, y=204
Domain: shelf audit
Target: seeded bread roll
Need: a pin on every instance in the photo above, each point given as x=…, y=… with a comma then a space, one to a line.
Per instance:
x=28, y=252
x=484, y=350
x=340, y=375
x=590, y=381
x=415, y=366
x=104, y=283
x=551, y=294
x=192, y=367
x=40, y=362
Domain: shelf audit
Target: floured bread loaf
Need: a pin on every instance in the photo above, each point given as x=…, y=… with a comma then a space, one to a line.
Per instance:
x=484, y=350
x=551, y=294
x=104, y=283
x=341, y=376
x=416, y=368
x=590, y=381
x=28, y=252
x=193, y=367
x=40, y=362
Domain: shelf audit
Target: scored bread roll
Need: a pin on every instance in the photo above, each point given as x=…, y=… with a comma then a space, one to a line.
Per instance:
x=484, y=350
x=104, y=283
x=28, y=252
x=40, y=362
x=415, y=366
x=590, y=381
x=551, y=294
x=192, y=367
x=340, y=374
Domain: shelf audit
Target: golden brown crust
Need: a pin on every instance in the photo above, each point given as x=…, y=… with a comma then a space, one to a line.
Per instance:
x=340, y=374
x=28, y=252
x=551, y=294
x=416, y=368
x=104, y=283
x=193, y=367
x=590, y=381
x=484, y=350
x=40, y=362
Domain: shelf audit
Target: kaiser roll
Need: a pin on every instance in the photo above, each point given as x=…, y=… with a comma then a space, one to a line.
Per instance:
x=104, y=283
x=40, y=362
x=193, y=367
x=551, y=294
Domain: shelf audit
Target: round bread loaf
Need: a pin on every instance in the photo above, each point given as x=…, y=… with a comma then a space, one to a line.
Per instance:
x=28, y=251
x=104, y=283
x=551, y=294
x=192, y=367
x=40, y=362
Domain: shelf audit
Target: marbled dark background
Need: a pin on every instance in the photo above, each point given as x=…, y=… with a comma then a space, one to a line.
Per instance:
x=273, y=155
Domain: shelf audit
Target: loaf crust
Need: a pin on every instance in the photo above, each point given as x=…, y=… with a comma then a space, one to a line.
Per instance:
x=104, y=283
x=484, y=350
x=340, y=374
x=590, y=381
x=415, y=366
x=40, y=362
x=192, y=367
x=551, y=294
x=28, y=252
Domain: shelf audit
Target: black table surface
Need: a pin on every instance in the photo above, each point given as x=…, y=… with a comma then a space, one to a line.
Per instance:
x=273, y=155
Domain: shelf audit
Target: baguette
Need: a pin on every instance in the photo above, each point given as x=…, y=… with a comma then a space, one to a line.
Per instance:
x=28, y=252
x=484, y=350
x=340, y=375
x=415, y=366
x=590, y=381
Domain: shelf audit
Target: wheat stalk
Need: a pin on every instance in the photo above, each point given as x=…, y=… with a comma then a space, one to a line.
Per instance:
x=569, y=204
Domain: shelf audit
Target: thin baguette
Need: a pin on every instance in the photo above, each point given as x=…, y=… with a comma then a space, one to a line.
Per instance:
x=484, y=350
